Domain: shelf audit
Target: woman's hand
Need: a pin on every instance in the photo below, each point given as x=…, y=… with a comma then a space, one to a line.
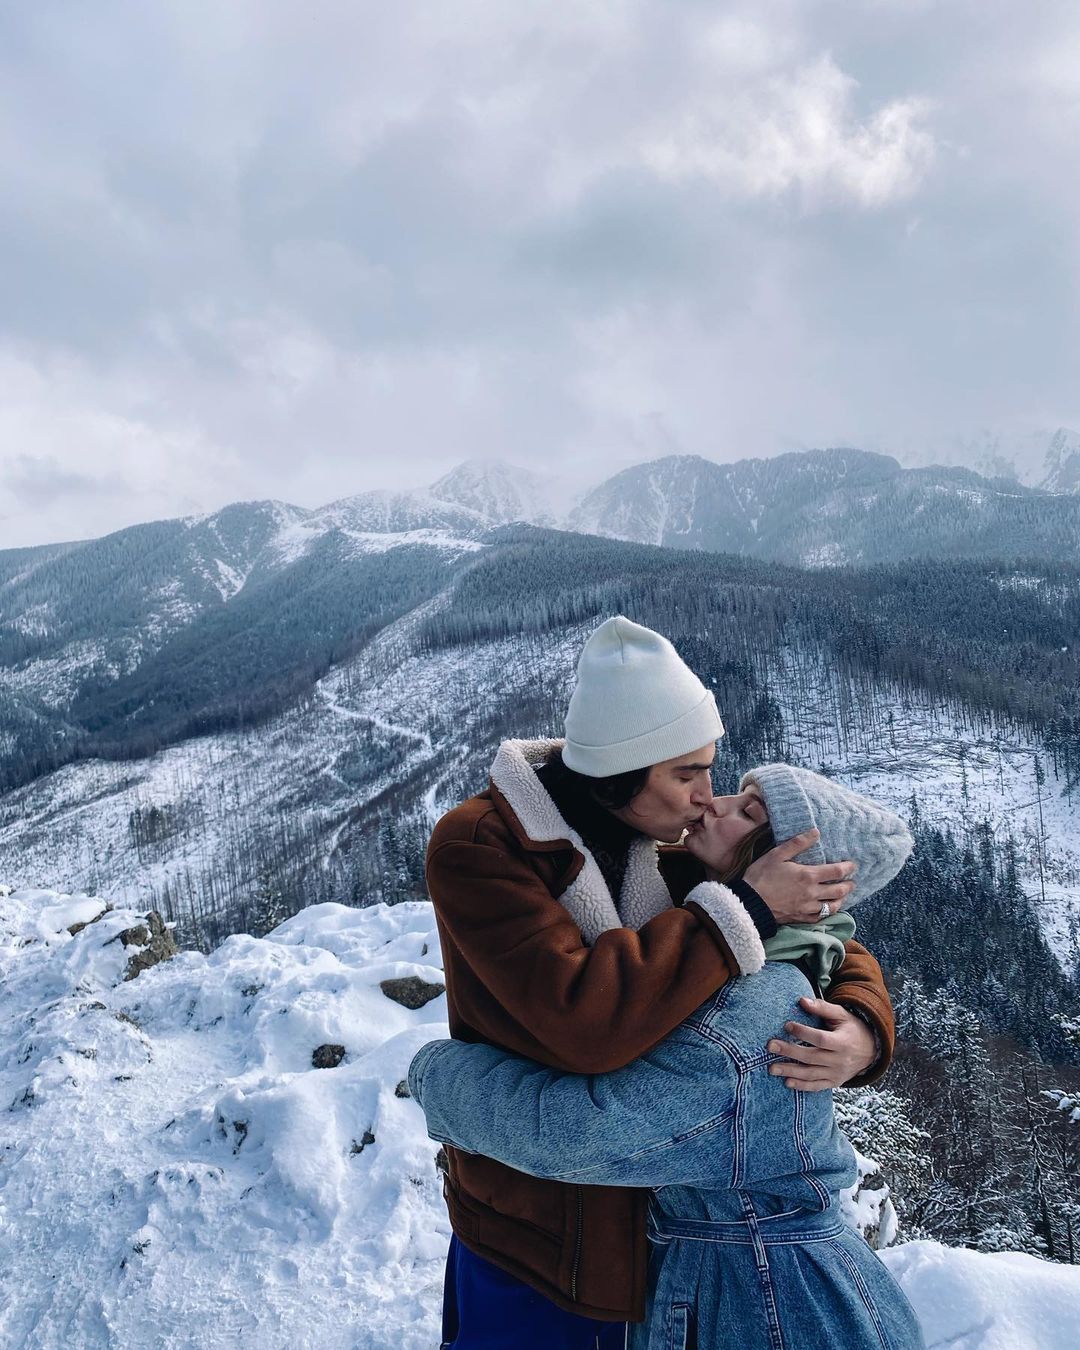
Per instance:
x=844, y=1048
x=795, y=891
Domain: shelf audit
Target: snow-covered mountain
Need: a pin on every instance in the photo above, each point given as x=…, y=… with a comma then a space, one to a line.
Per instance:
x=827, y=508
x=1045, y=459
x=222, y=1150
x=800, y=507
x=503, y=493
x=95, y=610
x=103, y=606
x=355, y=775
x=685, y=501
x=1062, y=463
x=397, y=514
x=201, y=712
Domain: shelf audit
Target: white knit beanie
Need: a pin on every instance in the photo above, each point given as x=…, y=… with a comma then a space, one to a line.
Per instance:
x=636, y=703
x=853, y=828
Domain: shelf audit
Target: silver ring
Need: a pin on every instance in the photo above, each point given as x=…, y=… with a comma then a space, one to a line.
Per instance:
x=825, y=911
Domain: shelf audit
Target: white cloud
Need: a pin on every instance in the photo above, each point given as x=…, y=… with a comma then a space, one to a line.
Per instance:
x=799, y=131
x=80, y=458
x=265, y=250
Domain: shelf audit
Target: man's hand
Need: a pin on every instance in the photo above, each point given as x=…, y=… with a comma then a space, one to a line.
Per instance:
x=795, y=891
x=832, y=1056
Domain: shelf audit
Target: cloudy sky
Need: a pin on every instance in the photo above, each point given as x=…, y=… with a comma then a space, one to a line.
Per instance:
x=261, y=248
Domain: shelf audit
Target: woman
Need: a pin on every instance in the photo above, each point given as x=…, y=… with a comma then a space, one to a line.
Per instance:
x=748, y=1243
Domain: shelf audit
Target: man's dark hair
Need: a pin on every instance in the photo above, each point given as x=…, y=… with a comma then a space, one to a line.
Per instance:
x=614, y=791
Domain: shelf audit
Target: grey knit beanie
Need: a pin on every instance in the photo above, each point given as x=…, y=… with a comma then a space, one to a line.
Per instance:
x=636, y=703
x=852, y=827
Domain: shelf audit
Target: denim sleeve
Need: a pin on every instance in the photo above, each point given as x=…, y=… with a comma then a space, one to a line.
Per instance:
x=662, y=1120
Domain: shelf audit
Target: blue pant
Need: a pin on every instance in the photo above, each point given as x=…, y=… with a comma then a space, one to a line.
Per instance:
x=484, y=1308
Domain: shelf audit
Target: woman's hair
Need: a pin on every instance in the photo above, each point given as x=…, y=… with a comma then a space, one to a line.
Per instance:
x=757, y=842
x=615, y=791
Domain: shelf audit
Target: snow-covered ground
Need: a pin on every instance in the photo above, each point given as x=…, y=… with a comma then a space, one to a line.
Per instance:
x=977, y=1301
x=175, y=1172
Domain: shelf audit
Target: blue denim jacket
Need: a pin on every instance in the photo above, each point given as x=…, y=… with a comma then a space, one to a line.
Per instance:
x=748, y=1243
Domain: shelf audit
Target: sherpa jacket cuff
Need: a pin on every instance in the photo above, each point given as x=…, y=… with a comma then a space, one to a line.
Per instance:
x=758, y=910
x=723, y=908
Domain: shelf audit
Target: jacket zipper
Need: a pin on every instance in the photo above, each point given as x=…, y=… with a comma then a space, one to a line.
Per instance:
x=577, y=1245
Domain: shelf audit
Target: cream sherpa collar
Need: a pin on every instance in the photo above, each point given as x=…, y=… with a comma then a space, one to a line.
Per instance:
x=591, y=905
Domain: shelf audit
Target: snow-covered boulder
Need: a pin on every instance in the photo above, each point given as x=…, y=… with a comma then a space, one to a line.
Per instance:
x=153, y=942
x=867, y=1206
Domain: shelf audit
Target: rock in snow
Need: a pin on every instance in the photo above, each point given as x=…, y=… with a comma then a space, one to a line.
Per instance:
x=174, y=1171
x=411, y=992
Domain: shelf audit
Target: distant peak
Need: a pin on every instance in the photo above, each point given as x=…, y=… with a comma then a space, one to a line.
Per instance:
x=685, y=459
x=500, y=491
x=480, y=469
x=264, y=506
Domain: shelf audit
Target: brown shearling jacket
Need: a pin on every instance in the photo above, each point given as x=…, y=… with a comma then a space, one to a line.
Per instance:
x=519, y=974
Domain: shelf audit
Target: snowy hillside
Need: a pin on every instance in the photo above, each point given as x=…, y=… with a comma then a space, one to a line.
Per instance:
x=392, y=721
x=411, y=728
x=165, y=574
x=685, y=501
x=817, y=507
x=395, y=513
x=960, y=768
x=102, y=615
x=178, y=1173
x=116, y=647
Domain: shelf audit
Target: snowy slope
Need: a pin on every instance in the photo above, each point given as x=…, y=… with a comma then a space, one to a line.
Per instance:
x=386, y=512
x=682, y=501
x=104, y=607
x=961, y=769
x=424, y=714
x=176, y=1172
x=977, y=1301
x=1062, y=464
x=822, y=508
x=160, y=577
x=86, y=626
x=417, y=714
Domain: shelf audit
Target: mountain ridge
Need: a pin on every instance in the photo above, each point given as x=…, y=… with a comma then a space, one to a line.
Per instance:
x=479, y=494
x=83, y=626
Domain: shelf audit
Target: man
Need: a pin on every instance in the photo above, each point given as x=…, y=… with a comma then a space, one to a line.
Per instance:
x=568, y=937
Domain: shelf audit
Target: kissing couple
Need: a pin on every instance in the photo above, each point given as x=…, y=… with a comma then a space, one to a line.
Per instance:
x=651, y=994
